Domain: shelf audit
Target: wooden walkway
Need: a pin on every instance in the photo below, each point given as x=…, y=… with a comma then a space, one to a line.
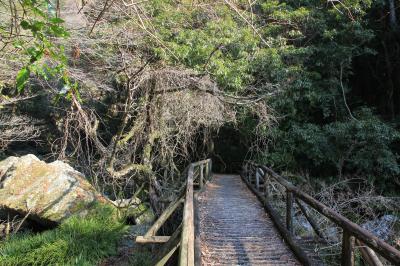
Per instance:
x=224, y=223
x=234, y=229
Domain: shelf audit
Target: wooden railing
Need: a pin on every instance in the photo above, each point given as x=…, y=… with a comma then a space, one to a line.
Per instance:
x=198, y=174
x=254, y=175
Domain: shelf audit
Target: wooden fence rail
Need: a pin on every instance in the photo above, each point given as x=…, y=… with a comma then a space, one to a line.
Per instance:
x=198, y=174
x=352, y=233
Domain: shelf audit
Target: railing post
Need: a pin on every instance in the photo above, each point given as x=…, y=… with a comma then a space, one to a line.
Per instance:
x=186, y=252
x=289, y=211
x=201, y=175
x=257, y=179
x=253, y=180
x=266, y=192
x=207, y=170
x=368, y=255
x=347, y=249
x=354, y=231
x=210, y=169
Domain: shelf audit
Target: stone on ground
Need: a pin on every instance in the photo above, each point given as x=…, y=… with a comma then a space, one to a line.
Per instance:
x=49, y=192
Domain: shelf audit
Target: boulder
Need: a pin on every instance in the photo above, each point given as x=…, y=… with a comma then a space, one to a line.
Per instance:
x=135, y=211
x=382, y=227
x=48, y=192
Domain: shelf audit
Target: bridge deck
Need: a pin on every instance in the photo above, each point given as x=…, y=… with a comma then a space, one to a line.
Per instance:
x=234, y=228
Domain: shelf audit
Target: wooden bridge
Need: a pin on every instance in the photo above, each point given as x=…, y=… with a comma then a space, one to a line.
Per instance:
x=229, y=220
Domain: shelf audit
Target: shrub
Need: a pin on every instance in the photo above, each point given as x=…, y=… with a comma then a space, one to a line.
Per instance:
x=360, y=147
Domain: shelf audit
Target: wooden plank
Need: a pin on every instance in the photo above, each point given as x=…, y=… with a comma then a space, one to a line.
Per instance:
x=381, y=247
x=164, y=217
x=298, y=252
x=368, y=255
x=152, y=239
x=347, y=258
x=186, y=254
x=289, y=212
x=167, y=256
x=168, y=248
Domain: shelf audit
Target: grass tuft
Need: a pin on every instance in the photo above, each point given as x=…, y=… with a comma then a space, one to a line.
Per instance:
x=77, y=241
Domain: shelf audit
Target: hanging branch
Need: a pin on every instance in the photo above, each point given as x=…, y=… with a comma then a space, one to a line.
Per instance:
x=105, y=7
x=343, y=93
x=234, y=8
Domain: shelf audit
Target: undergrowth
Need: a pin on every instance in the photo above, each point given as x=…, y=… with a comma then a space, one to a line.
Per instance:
x=143, y=258
x=77, y=241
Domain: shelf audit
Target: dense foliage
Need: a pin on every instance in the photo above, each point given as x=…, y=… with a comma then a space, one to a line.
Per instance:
x=30, y=43
x=305, y=57
x=299, y=54
x=309, y=87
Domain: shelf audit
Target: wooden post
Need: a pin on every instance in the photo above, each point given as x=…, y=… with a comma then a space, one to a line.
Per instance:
x=382, y=248
x=207, y=170
x=186, y=253
x=210, y=170
x=368, y=255
x=289, y=211
x=249, y=170
x=266, y=192
x=164, y=217
x=168, y=249
x=257, y=179
x=253, y=180
x=249, y=173
x=347, y=249
x=201, y=175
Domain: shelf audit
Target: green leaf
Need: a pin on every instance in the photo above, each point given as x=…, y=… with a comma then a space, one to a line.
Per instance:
x=25, y=25
x=58, y=31
x=37, y=26
x=56, y=20
x=22, y=78
x=18, y=44
x=35, y=54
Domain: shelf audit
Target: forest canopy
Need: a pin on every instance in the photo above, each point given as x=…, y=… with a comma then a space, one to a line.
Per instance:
x=129, y=92
x=305, y=86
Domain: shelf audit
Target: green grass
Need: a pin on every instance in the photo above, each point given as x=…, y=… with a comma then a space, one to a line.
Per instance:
x=142, y=258
x=77, y=241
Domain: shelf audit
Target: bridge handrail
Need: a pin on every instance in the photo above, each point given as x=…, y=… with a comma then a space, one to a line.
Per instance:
x=350, y=229
x=184, y=235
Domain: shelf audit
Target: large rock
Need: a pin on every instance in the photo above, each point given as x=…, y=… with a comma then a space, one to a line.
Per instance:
x=382, y=227
x=49, y=192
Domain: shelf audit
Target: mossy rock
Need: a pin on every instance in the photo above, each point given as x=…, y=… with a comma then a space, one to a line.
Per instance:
x=49, y=192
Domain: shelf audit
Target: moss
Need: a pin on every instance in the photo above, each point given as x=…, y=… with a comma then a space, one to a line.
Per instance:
x=142, y=214
x=51, y=191
x=81, y=206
